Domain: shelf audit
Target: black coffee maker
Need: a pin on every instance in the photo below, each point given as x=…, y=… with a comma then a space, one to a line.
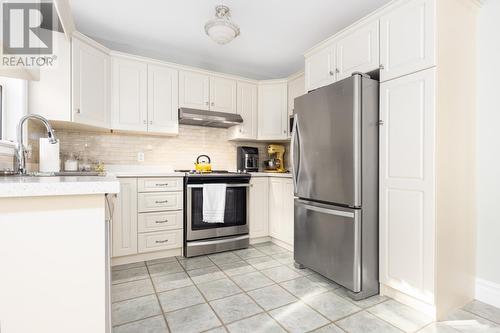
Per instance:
x=248, y=159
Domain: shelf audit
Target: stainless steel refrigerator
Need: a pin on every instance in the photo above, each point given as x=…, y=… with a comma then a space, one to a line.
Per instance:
x=334, y=152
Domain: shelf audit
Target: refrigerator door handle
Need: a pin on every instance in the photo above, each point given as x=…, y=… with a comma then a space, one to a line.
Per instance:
x=295, y=142
x=318, y=209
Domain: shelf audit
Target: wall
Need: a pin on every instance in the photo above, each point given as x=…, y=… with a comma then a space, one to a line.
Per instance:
x=455, y=152
x=488, y=154
x=178, y=152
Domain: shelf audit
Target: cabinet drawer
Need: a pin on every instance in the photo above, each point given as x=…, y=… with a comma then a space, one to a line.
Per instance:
x=162, y=240
x=160, y=221
x=159, y=184
x=153, y=202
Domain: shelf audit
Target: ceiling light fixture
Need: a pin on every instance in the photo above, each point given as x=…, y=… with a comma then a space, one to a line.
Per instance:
x=221, y=29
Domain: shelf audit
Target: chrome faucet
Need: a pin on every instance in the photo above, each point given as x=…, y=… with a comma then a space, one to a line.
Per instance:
x=21, y=150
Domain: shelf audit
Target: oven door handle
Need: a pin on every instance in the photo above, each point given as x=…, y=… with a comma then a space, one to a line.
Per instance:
x=227, y=185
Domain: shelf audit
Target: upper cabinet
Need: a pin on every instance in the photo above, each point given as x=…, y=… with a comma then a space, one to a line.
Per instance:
x=355, y=50
x=358, y=50
x=204, y=92
x=194, y=90
x=296, y=88
x=90, y=84
x=320, y=68
x=129, y=102
x=163, y=100
x=222, y=94
x=272, y=110
x=407, y=39
x=50, y=96
x=145, y=97
x=246, y=107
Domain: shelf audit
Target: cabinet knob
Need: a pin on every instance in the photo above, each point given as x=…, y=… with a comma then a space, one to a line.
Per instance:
x=380, y=122
x=206, y=103
x=381, y=66
x=78, y=111
x=331, y=73
x=213, y=104
x=145, y=122
x=150, y=122
x=284, y=131
x=337, y=70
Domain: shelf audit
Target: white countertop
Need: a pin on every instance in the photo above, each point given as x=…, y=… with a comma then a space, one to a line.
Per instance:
x=271, y=174
x=28, y=186
x=124, y=171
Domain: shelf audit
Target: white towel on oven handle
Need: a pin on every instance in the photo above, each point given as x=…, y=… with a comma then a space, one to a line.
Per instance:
x=214, y=203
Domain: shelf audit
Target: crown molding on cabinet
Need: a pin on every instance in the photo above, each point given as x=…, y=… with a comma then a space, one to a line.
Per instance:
x=65, y=17
x=295, y=76
x=90, y=41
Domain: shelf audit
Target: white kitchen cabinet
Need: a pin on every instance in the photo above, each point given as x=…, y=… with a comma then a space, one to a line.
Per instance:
x=272, y=110
x=358, y=50
x=258, y=207
x=90, y=84
x=130, y=103
x=246, y=107
x=296, y=88
x=288, y=211
x=407, y=184
x=222, y=94
x=407, y=38
x=124, y=227
x=194, y=90
x=320, y=68
x=163, y=100
x=281, y=209
x=50, y=96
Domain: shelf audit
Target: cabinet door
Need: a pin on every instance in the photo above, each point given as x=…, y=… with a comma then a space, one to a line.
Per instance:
x=407, y=181
x=124, y=227
x=246, y=107
x=258, y=207
x=193, y=90
x=130, y=104
x=222, y=94
x=407, y=42
x=296, y=88
x=275, y=208
x=272, y=111
x=90, y=89
x=319, y=68
x=288, y=210
x=163, y=100
x=358, y=51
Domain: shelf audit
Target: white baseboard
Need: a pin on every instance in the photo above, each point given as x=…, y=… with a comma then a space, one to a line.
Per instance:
x=488, y=292
x=428, y=309
x=287, y=246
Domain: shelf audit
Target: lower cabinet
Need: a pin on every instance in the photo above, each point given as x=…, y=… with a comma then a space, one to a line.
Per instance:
x=281, y=209
x=258, y=207
x=124, y=225
x=148, y=216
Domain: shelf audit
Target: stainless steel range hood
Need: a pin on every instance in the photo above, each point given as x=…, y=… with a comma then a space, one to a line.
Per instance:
x=208, y=118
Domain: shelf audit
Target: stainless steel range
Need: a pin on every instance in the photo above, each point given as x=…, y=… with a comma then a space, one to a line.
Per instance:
x=204, y=238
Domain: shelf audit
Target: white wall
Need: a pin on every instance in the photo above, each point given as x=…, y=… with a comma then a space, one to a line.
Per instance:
x=488, y=154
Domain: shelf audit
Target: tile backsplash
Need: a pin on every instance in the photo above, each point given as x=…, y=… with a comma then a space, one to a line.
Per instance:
x=178, y=152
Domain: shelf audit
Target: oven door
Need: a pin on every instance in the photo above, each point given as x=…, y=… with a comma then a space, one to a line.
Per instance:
x=235, y=215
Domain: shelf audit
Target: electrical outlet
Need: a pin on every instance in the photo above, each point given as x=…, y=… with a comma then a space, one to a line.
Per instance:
x=140, y=156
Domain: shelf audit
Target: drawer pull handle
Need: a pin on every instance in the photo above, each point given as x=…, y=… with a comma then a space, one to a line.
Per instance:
x=163, y=184
x=161, y=241
x=161, y=201
x=164, y=221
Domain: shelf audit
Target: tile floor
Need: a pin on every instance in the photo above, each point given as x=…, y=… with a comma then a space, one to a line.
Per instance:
x=258, y=290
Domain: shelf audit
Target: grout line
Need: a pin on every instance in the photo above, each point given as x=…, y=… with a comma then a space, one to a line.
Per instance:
x=158, y=299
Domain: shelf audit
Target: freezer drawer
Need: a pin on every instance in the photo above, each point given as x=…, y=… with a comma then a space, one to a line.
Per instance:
x=328, y=241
